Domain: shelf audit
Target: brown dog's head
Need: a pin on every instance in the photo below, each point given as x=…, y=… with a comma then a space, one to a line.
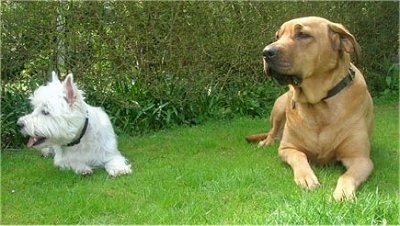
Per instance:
x=308, y=46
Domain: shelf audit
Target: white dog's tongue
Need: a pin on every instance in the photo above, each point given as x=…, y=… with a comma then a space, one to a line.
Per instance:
x=31, y=141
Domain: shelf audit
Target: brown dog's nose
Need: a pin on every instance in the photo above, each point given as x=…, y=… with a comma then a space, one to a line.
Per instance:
x=270, y=52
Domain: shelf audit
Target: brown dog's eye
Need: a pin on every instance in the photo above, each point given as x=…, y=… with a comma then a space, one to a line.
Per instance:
x=302, y=35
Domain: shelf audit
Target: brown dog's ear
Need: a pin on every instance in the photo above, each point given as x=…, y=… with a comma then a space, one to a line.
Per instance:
x=345, y=41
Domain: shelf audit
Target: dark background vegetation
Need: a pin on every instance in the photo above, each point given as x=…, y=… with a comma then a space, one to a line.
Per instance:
x=153, y=65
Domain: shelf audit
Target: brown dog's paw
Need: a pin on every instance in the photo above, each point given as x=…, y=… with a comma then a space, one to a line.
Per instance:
x=345, y=190
x=267, y=141
x=306, y=180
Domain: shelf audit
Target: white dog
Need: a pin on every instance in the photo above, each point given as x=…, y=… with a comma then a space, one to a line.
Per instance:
x=80, y=135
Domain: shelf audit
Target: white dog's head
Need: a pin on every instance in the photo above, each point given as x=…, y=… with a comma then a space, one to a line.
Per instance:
x=59, y=114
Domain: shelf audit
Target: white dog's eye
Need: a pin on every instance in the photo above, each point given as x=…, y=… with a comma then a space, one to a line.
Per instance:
x=45, y=112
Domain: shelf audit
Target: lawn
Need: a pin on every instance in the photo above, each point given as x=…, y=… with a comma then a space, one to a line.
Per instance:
x=200, y=175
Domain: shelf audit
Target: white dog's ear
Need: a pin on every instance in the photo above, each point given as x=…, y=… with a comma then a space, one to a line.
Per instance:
x=70, y=89
x=54, y=77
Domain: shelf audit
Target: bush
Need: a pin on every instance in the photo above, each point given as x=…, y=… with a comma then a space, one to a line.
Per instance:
x=153, y=65
x=13, y=104
x=389, y=81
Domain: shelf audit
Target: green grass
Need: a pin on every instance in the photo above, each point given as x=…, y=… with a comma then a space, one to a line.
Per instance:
x=201, y=175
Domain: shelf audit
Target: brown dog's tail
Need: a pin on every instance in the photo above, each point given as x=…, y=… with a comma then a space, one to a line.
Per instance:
x=256, y=137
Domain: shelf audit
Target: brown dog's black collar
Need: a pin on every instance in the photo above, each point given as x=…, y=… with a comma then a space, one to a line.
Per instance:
x=342, y=84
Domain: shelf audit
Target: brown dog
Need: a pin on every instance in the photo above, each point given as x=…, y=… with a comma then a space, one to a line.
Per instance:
x=327, y=114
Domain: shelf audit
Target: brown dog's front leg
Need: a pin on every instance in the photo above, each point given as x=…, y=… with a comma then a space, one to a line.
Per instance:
x=303, y=174
x=358, y=169
x=277, y=120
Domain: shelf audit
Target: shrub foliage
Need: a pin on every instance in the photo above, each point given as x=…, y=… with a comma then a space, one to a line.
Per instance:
x=153, y=65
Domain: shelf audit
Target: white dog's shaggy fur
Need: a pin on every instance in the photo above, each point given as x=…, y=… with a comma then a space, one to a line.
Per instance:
x=80, y=135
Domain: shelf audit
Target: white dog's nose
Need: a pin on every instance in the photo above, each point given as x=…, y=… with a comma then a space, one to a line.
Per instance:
x=20, y=125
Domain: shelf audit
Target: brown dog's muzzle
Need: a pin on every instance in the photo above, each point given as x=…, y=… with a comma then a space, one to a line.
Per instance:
x=272, y=67
x=270, y=52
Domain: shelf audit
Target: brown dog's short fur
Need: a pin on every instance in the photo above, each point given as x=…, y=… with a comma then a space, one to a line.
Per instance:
x=312, y=56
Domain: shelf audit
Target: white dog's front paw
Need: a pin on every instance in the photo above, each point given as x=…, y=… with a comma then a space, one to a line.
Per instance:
x=120, y=171
x=48, y=152
x=84, y=170
x=118, y=166
x=87, y=172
